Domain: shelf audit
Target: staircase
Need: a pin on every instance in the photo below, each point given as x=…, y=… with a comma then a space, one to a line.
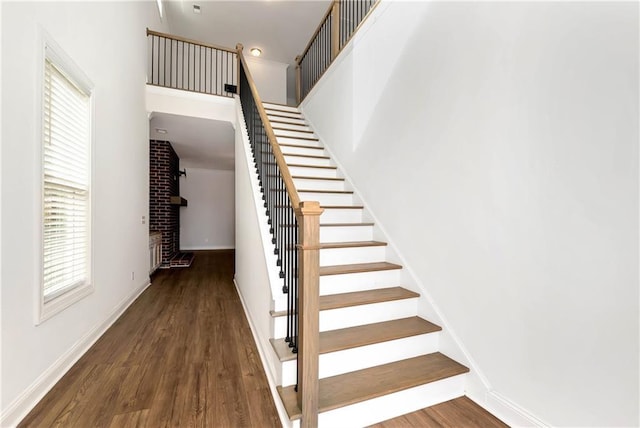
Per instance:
x=378, y=359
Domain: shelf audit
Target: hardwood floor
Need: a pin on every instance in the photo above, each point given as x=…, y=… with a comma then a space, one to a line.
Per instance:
x=181, y=355
x=460, y=413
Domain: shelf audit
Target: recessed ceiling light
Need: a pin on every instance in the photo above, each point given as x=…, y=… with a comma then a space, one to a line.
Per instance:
x=196, y=8
x=256, y=52
x=161, y=130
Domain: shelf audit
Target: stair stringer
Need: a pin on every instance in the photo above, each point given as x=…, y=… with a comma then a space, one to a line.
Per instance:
x=263, y=271
x=476, y=385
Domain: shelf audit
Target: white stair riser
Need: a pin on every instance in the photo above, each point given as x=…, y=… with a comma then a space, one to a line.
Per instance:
x=327, y=198
x=302, y=183
x=298, y=141
x=291, y=126
x=302, y=151
x=362, y=357
x=345, y=256
x=268, y=105
x=296, y=120
x=341, y=215
x=345, y=233
x=301, y=160
x=351, y=316
x=284, y=133
x=393, y=405
x=336, y=284
x=313, y=172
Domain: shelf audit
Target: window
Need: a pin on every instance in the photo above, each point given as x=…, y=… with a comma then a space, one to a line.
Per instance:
x=66, y=184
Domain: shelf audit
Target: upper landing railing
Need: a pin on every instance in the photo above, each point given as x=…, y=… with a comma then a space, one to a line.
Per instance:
x=180, y=63
x=339, y=24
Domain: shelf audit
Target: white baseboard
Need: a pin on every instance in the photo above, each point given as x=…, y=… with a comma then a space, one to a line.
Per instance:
x=207, y=247
x=507, y=410
x=282, y=413
x=25, y=402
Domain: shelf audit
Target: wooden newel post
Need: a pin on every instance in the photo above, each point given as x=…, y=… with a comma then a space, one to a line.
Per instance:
x=308, y=214
x=335, y=29
x=239, y=48
x=298, y=81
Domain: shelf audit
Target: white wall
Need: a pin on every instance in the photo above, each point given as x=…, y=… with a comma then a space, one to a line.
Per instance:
x=270, y=78
x=497, y=144
x=107, y=41
x=208, y=221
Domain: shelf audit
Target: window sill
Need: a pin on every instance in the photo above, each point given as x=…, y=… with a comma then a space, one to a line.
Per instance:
x=60, y=303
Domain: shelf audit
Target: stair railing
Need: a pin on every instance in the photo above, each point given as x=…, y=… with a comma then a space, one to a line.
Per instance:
x=295, y=230
x=180, y=63
x=337, y=27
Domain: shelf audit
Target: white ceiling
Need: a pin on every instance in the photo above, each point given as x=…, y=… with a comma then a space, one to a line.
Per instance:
x=199, y=143
x=281, y=29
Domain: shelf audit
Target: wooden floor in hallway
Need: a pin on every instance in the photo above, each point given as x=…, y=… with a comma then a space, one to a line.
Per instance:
x=181, y=355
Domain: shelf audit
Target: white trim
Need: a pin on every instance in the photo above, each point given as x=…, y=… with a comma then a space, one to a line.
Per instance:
x=282, y=413
x=207, y=247
x=507, y=410
x=25, y=402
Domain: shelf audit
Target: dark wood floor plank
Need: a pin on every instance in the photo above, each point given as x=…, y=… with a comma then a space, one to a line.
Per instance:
x=181, y=355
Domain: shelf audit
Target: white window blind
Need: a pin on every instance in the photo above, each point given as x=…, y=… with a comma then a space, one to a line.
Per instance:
x=66, y=183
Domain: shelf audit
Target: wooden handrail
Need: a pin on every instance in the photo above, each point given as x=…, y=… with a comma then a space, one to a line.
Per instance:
x=315, y=33
x=193, y=42
x=277, y=153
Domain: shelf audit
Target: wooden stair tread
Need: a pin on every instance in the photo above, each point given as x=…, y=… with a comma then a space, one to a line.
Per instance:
x=351, y=244
x=357, y=268
x=282, y=110
x=304, y=177
x=367, y=297
x=313, y=166
x=345, y=224
x=287, y=117
x=355, y=387
x=357, y=298
x=349, y=192
x=362, y=335
x=276, y=128
x=306, y=156
x=296, y=138
x=300, y=146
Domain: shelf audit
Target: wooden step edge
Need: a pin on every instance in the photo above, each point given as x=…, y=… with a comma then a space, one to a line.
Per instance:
x=277, y=104
x=290, y=123
x=312, y=166
x=341, y=192
x=276, y=128
x=374, y=333
x=297, y=138
x=358, y=298
x=362, y=385
x=351, y=244
x=362, y=335
x=342, y=207
x=346, y=224
x=366, y=297
x=333, y=225
x=304, y=177
x=300, y=146
x=286, y=117
x=357, y=268
x=281, y=110
x=298, y=155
